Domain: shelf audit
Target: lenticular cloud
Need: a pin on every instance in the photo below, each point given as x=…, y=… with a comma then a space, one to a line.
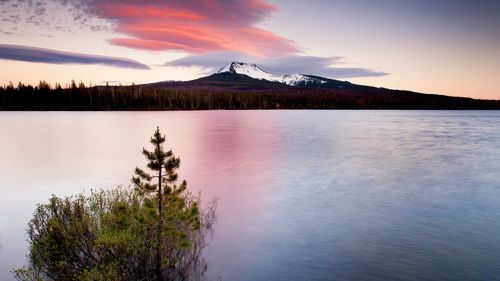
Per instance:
x=32, y=54
x=195, y=26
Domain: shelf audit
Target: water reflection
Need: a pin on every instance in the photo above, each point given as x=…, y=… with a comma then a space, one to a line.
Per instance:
x=322, y=195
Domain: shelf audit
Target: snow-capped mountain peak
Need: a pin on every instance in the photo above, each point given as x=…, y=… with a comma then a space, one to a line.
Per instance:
x=256, y=72
x=237, y=67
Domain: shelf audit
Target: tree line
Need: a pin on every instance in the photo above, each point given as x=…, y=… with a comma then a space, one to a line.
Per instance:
x=193, y=96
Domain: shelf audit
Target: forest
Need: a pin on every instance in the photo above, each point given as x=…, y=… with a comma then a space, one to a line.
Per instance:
x=203, y=95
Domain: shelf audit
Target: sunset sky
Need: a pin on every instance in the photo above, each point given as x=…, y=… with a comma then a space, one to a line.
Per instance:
x=449, y=47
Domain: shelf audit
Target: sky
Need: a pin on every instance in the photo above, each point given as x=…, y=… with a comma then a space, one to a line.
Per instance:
x=447, y=47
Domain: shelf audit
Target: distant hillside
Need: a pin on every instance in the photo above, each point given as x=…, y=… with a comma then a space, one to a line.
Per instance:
x=229, y=89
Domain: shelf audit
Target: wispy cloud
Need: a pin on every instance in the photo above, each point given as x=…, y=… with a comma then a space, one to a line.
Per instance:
x=194, y=26
x=323, y=66
x=32, y=54
x=215, y=32
x=51, y=15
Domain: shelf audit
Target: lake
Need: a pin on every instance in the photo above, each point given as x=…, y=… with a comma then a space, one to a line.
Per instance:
x=302, y=195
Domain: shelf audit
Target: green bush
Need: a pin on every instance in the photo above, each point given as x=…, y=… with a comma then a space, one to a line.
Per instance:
x=121, y=234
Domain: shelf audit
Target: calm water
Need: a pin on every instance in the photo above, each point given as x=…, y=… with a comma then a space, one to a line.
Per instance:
x=303, y=195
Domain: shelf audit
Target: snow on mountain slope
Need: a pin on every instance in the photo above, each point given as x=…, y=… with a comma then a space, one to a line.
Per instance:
x=256, y=72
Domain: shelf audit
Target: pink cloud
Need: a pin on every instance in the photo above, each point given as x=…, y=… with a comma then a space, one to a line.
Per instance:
x=193, y=26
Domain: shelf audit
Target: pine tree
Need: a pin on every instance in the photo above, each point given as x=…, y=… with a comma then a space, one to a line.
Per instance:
x=153, y=232
x=164, y=166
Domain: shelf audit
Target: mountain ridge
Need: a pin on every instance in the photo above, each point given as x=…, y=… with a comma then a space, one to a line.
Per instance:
x=256, y=72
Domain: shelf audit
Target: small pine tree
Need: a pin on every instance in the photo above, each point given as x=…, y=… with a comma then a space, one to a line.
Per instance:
x=164, y=166
x=154, y=232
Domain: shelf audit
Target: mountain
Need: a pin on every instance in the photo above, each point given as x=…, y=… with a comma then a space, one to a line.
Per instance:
x=256, y=72
x=245, y=76
x=296, y=80
x=250, y=77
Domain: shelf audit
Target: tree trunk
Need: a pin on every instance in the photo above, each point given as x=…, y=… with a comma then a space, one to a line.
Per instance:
x=160, y=226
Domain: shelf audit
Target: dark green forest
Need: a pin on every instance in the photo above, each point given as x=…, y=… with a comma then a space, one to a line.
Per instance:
x=212, y=95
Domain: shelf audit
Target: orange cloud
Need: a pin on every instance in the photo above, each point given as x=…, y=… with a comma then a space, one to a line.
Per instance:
x=152, y=45
x=193, y=26
x=131, y=11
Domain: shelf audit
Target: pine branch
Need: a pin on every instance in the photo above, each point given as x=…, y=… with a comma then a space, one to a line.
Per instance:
x=137, y=181
x=154, y=165
x=150, y=187
x=150, y=156
x=142, y=174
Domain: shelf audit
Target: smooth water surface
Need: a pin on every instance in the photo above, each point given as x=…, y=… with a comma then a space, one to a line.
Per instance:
x=303, y=195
